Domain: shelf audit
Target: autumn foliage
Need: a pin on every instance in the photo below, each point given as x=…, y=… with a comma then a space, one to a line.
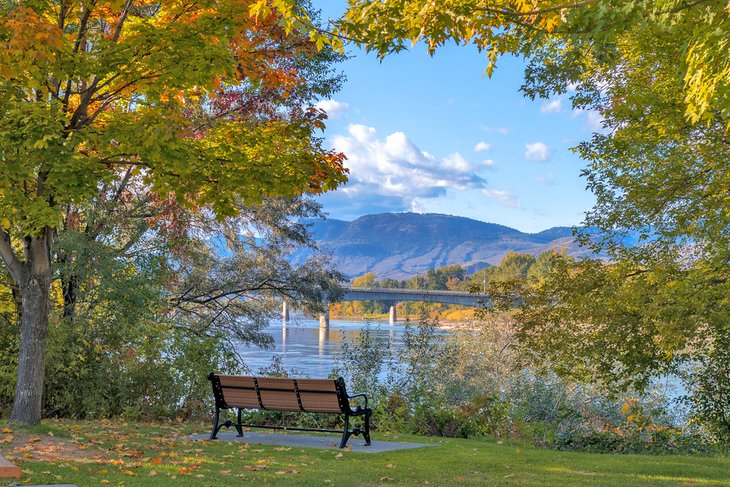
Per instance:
x=196, y=106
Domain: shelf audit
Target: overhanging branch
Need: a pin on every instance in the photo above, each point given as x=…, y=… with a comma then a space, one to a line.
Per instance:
x=12, y=263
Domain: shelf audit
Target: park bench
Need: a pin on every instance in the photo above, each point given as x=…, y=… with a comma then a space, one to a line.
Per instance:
x=285, y=394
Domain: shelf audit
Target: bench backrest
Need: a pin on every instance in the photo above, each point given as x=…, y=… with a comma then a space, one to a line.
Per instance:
x=280, y=394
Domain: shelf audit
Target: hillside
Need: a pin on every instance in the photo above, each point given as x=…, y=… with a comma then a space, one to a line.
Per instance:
x=400, y=245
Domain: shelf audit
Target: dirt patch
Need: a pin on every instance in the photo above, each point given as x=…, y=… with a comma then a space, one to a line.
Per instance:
x=20, y=445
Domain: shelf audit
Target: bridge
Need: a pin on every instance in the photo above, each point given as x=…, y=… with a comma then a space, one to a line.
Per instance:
x=400, y=295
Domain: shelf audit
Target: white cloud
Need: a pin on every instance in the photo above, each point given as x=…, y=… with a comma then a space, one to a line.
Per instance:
x=504, y=198
x=489, y=164
x=552, y=106
x=482, y=146
x=537, y=152
x=547, y=178
x=333, y=108
x=594, y=121
x=499, y=130
x=417, y=206
x=394, y=167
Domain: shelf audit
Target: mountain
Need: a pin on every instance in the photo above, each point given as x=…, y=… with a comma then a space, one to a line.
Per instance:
x=400, y=245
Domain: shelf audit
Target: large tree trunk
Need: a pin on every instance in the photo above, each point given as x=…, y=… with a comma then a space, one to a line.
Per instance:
x=35, y=287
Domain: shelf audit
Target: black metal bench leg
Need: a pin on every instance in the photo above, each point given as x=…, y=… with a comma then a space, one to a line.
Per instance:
x=215, y=424
x=366, y=431
x=346, y=434
x=238, y=425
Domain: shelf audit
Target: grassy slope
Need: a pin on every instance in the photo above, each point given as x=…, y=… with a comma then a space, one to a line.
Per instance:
x=112, y=453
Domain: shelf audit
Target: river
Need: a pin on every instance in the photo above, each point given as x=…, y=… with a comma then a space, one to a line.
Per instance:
x=305, y=348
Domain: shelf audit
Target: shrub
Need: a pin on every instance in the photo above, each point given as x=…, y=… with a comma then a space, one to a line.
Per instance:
x=470, y=384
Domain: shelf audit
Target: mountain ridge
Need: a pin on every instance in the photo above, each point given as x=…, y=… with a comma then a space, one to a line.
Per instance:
x=401, y=245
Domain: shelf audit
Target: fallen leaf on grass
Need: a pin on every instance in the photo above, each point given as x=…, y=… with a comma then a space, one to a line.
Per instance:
x=6, y=430
x=7, y=438
x=152, y=473
x=390, y=465
x=34, y=440
x=282, y=448
x=254, y=468
x=225, y=472
x=104, y=481
x=129, y=472
x=386, y=479
x=339, y=455
x=284, y=472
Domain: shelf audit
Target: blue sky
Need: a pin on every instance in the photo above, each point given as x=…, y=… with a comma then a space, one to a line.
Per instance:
x=434, y=134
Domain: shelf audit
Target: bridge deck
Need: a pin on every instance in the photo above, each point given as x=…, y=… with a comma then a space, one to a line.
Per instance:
x=422, y=295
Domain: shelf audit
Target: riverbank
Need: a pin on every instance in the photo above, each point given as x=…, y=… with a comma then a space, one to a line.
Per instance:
x=89, y=453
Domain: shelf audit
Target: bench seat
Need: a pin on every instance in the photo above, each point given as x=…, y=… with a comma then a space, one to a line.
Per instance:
x=286, y=394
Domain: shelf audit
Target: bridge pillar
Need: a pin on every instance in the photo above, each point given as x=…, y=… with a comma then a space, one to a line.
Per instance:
x=285, y=311
x=392, y=316
x=324, y=319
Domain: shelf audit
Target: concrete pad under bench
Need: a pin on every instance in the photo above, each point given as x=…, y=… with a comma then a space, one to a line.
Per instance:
x=8, y=470
x=310, y=441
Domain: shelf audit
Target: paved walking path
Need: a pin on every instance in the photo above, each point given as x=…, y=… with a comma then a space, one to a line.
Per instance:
x=311, y=441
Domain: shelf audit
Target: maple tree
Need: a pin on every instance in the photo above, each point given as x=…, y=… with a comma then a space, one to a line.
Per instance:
x=97, y=96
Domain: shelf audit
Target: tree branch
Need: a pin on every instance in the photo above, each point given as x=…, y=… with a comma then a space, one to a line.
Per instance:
x=12, y=263
x=556, y=8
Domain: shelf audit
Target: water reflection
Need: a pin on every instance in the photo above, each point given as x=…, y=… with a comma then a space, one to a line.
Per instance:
x=304, y=347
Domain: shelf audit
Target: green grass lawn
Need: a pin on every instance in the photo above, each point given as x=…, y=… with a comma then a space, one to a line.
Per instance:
x=135, y=454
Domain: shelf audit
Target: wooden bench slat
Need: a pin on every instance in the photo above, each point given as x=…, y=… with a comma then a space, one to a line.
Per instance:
x=286, y=400
x=314, y=402
x=236, y=381
x=238, y=398
x=323, y=385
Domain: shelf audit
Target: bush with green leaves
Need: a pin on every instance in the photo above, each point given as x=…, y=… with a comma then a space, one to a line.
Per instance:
x=470, y=383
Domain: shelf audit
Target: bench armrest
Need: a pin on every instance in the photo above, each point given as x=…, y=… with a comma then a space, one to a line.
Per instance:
x=360, y=395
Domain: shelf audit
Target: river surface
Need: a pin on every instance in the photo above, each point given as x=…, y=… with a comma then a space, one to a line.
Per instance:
x=305, y=348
